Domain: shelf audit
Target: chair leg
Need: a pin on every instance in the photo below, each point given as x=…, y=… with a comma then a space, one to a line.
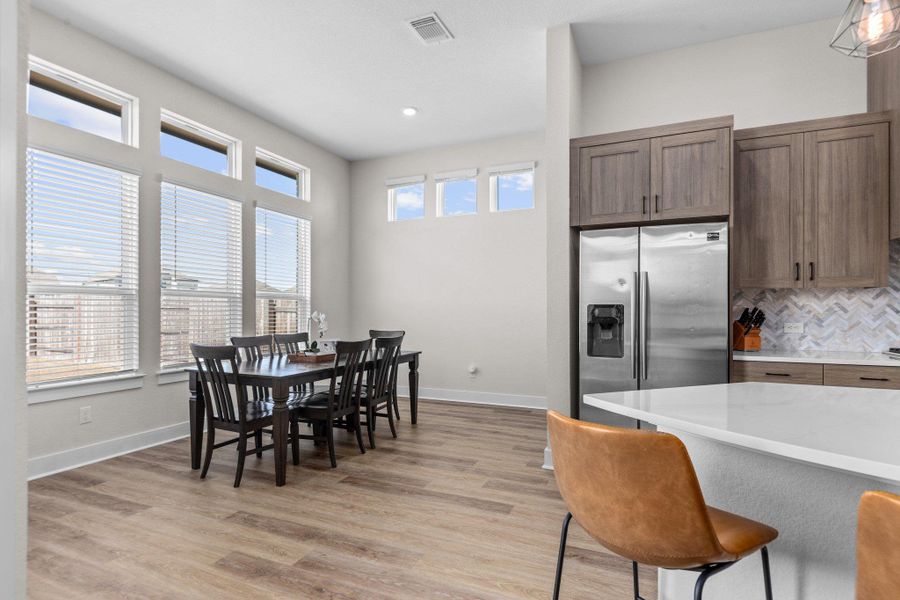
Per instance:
x=705, y=574
x=390, y=416
x=396, y=404
x=637, y=583
x=562, y=554
x=370, y=425
x=295, y=441
x=358, y=430
x=210, y=441
x=767, y=578
x=242, y=454
x=329, y=434
x=257, y=438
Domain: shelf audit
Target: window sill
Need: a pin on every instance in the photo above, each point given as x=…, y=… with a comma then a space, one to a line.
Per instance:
x=168, y=376
x=51, y=392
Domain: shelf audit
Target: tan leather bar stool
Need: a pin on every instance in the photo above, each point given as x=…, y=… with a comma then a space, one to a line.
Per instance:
x=878, y=547
x=637, y=494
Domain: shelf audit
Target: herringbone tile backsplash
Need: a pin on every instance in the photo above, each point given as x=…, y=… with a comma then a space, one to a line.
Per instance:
x=857, y=320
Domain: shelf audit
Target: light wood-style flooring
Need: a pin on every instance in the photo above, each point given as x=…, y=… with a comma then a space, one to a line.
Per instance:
x=456, y=508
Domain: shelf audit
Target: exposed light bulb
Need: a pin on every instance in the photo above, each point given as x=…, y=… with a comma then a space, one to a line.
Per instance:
x=410, y=111
x=876, y=19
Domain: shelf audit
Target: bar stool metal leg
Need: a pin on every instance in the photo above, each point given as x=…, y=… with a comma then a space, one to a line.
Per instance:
x=767, y=577
x=562, y=554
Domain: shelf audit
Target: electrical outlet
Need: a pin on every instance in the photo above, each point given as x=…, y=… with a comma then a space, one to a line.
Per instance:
x=84, y=415
x=793, y=327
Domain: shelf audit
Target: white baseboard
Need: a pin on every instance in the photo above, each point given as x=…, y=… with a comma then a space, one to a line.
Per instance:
x=492, y=398
x=48, y=464
x=548, y=459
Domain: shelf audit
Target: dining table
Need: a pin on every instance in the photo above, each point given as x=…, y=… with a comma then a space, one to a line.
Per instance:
x=280, y=375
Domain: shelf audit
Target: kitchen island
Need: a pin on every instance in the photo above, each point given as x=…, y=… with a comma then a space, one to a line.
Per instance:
x=796, y=457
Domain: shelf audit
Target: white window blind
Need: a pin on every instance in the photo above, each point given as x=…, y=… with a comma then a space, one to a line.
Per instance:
x=282, y=272
x=82, y=269
x=200, y=267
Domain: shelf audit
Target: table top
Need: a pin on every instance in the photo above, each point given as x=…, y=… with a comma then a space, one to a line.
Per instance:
x=873, y=359
x=278, y=367
x=855, y=430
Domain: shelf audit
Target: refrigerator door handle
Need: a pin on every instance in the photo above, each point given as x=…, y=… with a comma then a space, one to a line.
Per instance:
x=645, y=278
x=635, y=299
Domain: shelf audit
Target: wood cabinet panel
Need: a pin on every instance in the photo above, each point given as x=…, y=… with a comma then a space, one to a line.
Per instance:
x=690, y=174
x=776, y=372
x=846, y=206
x=883, y=80
x=768, y=212
x=614, y=182
x=863, y=376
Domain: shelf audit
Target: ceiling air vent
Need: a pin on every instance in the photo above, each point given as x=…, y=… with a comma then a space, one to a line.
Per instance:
x=430, y=29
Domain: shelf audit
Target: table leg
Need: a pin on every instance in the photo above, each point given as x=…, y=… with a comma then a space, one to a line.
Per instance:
x=414, y=389
x=196, y=414
x=280, y=421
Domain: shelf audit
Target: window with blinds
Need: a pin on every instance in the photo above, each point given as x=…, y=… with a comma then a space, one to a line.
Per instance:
x=282, y=272
x=81, y=233
x=200, y=267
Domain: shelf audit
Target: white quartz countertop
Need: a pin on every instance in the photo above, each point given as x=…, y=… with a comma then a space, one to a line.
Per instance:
x=874, y=359
x=855, y=430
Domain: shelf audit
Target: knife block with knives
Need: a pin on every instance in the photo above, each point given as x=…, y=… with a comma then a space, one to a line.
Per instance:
x=745, y=331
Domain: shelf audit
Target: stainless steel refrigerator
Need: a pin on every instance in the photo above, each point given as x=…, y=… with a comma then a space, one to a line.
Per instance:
x=653, y=310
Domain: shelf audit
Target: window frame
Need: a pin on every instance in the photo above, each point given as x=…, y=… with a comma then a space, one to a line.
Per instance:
x=89, y=92
x=283, y=166
x=400, y=182
x=449, y=177
x=106, y=380
x=304, y=281
x=510, y=169
x=192, y=131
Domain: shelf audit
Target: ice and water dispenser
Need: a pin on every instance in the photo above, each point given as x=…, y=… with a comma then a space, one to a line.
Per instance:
x=606, y=330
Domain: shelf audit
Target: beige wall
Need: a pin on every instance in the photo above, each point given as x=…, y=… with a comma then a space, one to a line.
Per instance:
x=775, y=76
x=13, y=431
x=128, y=419
x=468, y=289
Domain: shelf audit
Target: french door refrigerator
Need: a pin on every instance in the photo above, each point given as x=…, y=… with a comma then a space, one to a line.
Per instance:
x=653, y=310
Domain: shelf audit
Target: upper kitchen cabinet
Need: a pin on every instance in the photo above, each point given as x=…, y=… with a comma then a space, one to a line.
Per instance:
x=884, y=94
x=811, y=204
x=669, y=173
x=689, y=174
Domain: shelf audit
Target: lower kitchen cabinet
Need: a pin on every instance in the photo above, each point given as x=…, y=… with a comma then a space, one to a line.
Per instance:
x=887, y=378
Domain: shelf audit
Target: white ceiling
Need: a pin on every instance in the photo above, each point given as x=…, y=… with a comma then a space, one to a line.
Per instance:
x=338, y=72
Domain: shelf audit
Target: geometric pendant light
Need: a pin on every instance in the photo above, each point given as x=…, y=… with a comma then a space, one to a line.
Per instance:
x=869, y=27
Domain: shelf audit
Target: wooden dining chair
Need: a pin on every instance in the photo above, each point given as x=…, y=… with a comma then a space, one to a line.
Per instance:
x=637, y=494
x=224, y=411
x=340, y=405
x=380, y=384
x=390, y=333
x=251, y=348
x=291, y=343
x=878, y=547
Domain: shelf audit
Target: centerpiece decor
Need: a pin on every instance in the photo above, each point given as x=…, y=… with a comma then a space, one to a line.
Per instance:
x=314, y=352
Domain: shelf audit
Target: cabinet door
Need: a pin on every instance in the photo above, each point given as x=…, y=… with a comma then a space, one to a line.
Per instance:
x=615, y=182
x=768, y=212
x=846, y=206
x=689, y=174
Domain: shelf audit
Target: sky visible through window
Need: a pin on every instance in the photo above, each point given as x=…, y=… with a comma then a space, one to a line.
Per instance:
x=188, y=152
x=277, y=182
x=71, y=113
x=515, y=190
x=459, y=197
x=409, y=202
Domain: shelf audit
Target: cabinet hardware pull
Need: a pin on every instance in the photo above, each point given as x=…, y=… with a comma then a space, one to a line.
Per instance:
x=778, y=374
x=796, y=271
x=874, y=378
x=643, y=205
x=657, y=202
x=812, y=271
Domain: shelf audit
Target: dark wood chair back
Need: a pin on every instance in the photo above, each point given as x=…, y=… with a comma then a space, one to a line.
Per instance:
x=385, y=333
x=291, y=343
x=250, y=348
x=350, y=361
x=211, y=365
x=387, y=355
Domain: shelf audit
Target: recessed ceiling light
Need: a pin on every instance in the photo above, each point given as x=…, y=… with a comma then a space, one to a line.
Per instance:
x=410, y=111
